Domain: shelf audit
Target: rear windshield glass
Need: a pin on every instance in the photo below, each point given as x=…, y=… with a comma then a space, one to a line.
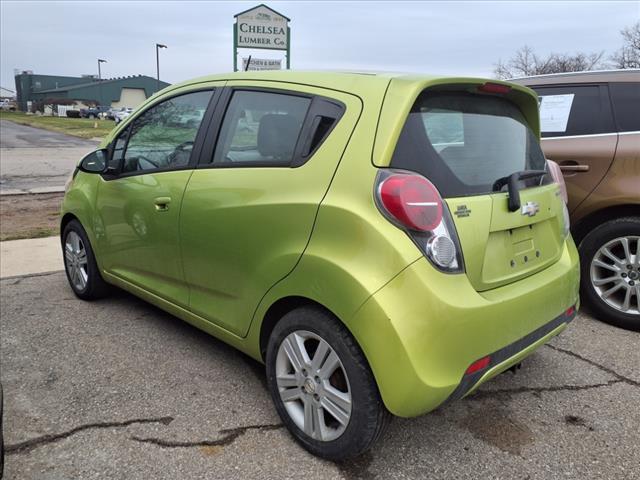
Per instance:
x=463, y=142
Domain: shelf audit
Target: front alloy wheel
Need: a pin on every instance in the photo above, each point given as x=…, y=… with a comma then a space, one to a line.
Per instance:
x=75, y=257
x=80, y=263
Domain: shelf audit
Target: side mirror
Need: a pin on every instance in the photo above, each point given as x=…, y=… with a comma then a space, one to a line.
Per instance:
x=95, y=162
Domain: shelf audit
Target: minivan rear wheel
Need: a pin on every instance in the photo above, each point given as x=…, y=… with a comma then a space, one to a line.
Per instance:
x=322, y=386
x=610, y=272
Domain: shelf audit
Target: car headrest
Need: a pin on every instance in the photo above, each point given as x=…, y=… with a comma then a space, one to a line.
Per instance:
x=277, y=135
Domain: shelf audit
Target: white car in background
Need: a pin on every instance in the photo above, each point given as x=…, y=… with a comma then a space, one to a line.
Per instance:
x=121, y=114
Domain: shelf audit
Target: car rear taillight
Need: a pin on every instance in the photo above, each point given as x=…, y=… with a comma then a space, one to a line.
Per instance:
x=413, y=203
x=412, y=200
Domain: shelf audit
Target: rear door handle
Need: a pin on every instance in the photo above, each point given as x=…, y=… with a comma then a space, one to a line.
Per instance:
x=162, y=203
x=574, y=167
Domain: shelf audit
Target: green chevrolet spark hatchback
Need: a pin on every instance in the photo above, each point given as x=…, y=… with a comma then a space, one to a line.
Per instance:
x=383, y=243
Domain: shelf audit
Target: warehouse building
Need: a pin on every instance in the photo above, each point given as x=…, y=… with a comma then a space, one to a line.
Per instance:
x=86, y=90
x=6, y=94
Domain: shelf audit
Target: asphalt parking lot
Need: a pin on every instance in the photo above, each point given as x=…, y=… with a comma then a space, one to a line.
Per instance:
x=33, y=158
x=119, y=389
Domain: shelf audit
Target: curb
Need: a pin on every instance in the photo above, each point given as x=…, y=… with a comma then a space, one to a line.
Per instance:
x=29, y=256
x=30, y=275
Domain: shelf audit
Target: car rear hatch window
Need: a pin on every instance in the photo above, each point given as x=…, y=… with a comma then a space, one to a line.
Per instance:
x=464, y=142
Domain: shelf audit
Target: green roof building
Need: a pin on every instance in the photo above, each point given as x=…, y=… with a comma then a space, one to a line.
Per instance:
x=114, y=92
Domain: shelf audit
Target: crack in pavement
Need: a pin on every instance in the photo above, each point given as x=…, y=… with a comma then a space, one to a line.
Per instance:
x=229, y=436
x=608, y=370
x=514, y=391
x=28, y=445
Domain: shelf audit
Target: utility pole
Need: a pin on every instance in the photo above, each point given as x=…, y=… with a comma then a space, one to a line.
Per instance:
x=158, y=47
x=100, y=60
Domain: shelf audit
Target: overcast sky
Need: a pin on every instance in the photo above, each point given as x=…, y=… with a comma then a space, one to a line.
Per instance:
x=66, y=38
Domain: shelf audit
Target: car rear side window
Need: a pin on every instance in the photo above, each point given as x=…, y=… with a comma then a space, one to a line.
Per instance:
x=260, y=129
x=463, y=142
x=626, y=105
x=570, y=110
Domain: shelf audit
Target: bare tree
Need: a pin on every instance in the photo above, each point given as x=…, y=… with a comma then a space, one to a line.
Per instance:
x=629, y=54
x=526, y=62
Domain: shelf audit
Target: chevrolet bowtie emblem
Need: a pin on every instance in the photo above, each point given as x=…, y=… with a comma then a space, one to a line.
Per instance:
x=530, y=209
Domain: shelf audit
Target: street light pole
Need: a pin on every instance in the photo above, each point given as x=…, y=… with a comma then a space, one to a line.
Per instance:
x=158, y=47
x=100, y=60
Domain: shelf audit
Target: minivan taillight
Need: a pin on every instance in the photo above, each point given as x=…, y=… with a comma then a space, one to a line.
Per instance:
x=413, y=203
x=556, y=176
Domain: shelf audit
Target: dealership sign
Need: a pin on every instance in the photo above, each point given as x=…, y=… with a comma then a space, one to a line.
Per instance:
x=261, y=27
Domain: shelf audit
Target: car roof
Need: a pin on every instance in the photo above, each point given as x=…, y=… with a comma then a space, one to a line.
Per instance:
x=350, y=81
x=592, y=76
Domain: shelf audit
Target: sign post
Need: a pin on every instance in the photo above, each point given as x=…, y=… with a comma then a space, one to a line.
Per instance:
x=262, y=28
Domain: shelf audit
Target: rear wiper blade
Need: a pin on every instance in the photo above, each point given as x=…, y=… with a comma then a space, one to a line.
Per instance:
x=512, y=180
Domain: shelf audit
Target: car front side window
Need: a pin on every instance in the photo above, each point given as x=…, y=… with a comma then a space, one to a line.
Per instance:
x=162, y=137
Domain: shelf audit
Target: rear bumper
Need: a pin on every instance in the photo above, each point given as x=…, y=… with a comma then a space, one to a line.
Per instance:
x=506, y=357
x=422, y=331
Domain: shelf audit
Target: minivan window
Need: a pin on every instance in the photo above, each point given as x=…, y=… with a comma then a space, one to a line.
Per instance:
x=260, y=128
x=463, y=142
x=589, y=111
x=626, y=105
x=163, y=136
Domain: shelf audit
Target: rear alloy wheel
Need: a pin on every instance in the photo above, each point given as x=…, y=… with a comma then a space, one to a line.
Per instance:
x=322, y=386
x=313, y=385
x=610, y=257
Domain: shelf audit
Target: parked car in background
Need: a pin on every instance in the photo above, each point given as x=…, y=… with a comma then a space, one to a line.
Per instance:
x=384, y=243
x=7, y=104
x=94, y=112
x=111, y=113
x=590, y=126
x=120, y=115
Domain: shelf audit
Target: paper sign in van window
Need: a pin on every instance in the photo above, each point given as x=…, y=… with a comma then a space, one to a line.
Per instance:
x=554, y=112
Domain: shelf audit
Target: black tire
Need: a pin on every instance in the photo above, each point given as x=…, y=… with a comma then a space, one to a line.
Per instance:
x=591, y=243
x=95, y=286
x=368, y=413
